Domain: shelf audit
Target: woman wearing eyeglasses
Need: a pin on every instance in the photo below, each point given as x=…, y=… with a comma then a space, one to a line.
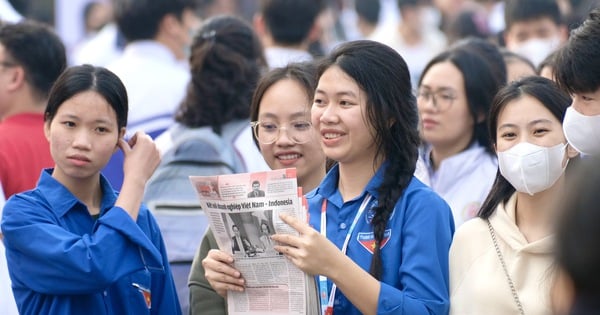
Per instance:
x=280, y=114
x=453, y=98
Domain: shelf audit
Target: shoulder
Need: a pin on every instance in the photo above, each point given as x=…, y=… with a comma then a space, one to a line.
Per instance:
x=417, y=194
x=26, y=206
x=470, y=239
x=470, y=232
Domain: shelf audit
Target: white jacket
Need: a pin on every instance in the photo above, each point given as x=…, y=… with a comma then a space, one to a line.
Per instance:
x=463, y=180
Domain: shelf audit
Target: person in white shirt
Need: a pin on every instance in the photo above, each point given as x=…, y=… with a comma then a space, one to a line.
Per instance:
x=286, y=29
x=412, y=37
x=453, y=98
x=153, y=66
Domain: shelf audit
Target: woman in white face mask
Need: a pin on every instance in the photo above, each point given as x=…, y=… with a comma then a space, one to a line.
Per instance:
x=500, y=263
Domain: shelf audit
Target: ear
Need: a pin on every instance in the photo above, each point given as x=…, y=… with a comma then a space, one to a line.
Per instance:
x=121, y=136
x=47, y=130
x=563, y=33
x=480, y=117
x=571, y=152
x=258, y=21
x=315, y=31
x=17, y=79
x=169, y=24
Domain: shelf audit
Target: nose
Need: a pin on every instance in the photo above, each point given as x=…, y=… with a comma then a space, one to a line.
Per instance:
x=284, y=138
x=82, y=140
x=327, y=114
x=428, y=103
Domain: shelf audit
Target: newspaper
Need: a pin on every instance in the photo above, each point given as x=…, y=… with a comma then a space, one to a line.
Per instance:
x=243, y=212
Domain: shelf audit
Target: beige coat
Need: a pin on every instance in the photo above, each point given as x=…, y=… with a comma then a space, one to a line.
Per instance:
x=478, y=284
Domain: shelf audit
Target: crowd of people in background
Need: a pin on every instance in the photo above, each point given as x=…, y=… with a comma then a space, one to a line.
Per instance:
x=466, y=132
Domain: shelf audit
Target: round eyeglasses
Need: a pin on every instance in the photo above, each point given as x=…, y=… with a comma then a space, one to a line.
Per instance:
x=298, y=131
x=442, y=99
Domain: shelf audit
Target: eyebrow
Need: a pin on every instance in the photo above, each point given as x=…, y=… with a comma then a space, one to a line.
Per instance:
x=338, y=94
x=75, y=117
x=293, y=115
x=529, y=124
x=443, y=88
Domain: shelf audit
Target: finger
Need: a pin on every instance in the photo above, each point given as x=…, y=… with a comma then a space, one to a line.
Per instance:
x=220, y=255
x=286, y=250
x=124, y=146
x=133, y=140
x=298, y=225
x=287, y=239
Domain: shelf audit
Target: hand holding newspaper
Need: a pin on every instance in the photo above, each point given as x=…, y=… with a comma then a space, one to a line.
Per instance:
x=243, y=211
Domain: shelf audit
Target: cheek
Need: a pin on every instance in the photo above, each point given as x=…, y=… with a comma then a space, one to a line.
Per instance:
x=315, y=115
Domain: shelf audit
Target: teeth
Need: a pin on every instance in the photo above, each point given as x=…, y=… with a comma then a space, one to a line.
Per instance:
x=331, y=135
x=289, y=156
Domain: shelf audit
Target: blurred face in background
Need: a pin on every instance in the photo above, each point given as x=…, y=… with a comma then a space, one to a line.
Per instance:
x=446, y=122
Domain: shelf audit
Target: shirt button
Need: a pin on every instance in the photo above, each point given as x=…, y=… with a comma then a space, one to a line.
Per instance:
x=105, y=293
x=343, y=226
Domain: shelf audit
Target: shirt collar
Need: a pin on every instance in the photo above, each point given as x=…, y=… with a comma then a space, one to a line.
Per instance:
x=150, y=48
x=329, y=185
x=62, y=200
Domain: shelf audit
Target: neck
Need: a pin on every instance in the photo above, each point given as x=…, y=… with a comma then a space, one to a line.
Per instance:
x=534, y=214
x=411, y=36
x=88, y=191
x=311, y=180
x=25, y=104
x=354, y=178
x=268, y=42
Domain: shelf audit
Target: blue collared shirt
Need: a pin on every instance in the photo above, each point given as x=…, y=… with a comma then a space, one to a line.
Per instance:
x=414, y=251
x=62, y=261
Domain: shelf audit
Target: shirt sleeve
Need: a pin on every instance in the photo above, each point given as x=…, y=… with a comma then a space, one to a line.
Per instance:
x=46, y=257
x=203, y=298
x=164, y=292
x=427, y=229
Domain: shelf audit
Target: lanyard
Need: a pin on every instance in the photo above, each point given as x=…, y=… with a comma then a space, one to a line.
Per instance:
x=327, y=304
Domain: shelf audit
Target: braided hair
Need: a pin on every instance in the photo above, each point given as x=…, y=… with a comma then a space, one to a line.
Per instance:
x=392, y=113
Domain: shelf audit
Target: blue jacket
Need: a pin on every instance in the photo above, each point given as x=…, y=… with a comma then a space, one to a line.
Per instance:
x=415, y=251
x=62, y=261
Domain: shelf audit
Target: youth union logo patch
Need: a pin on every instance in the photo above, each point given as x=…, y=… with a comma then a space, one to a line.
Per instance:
x=367, y=240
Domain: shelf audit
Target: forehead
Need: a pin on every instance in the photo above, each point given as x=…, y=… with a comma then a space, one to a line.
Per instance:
x=523, y=110
x=443, y=75
x=284, y=98
x=538, y=26
x=336, y=80
x=88, y=105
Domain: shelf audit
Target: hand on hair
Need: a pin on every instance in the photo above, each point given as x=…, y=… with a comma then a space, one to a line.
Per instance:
x=141, y=156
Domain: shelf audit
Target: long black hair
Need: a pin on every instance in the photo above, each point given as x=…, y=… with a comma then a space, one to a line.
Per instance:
x=392, y=113
x=545, y=91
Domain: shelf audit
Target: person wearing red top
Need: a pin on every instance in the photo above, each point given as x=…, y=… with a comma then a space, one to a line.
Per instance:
x=32, y=57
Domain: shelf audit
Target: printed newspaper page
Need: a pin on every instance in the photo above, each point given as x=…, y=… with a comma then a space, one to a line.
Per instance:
x=243, y=210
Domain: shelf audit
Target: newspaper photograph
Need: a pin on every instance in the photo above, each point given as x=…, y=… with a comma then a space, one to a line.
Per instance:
x=243, y=211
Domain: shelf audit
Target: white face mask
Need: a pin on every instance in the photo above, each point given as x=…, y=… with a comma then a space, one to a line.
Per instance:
x=530, y=168
x=582, y=132
x=536, y=49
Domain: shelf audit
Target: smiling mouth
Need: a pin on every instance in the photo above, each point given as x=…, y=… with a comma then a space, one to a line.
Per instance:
x=291, y=156
x=330, y=135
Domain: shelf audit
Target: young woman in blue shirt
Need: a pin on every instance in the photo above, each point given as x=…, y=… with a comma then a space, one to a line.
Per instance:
x=377, y=237
x=74, y=245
